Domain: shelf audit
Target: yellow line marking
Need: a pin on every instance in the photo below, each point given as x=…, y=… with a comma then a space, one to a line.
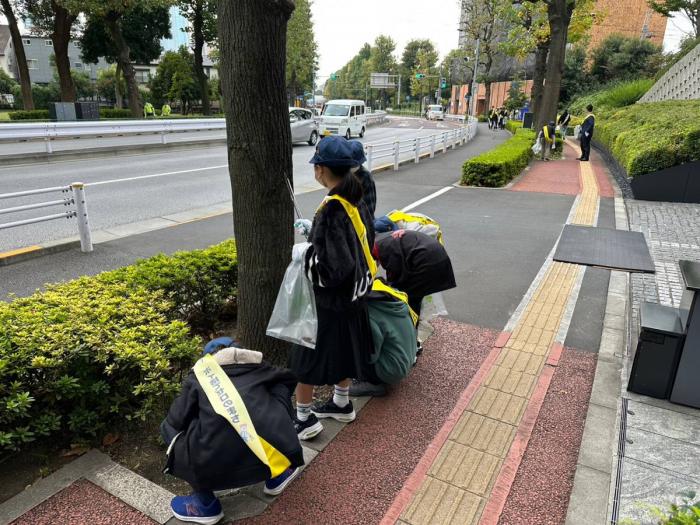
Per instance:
x=19, y=251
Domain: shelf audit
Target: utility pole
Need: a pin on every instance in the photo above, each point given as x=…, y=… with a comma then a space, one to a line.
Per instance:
x=398, y=95
x=472, y=101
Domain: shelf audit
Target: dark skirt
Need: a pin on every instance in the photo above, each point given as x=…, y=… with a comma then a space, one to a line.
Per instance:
x=343, y=346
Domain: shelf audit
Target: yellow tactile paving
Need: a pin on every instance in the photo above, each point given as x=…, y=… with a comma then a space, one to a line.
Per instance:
x=459, y=481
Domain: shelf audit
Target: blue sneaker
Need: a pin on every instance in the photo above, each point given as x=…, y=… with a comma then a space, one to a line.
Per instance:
x=275, y=486
x=192, y=509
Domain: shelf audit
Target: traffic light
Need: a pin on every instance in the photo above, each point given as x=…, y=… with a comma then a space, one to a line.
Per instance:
x=443, y=82
x=420, y=76
x=334, y=76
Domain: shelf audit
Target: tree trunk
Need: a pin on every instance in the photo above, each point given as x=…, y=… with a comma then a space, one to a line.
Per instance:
x=118, y=98
x=253, y=37
x=198, y=37
x=538, y=78
x=124, y=61
x=559, y=16
x=24, y=79
x=62, y=25
x=487, y=81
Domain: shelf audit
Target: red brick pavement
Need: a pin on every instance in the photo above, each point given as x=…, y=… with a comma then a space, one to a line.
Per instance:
x=556, y=176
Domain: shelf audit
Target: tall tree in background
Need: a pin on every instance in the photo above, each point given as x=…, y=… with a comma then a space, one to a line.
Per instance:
x=426, y=58
x=7, y=9
x=54, y=19
x=202, y=17
x=381, y=60
x=690, y=8
x=409, y=59
x=253, y=36
x=351, y=81
x=302, y=54
x=142, y=29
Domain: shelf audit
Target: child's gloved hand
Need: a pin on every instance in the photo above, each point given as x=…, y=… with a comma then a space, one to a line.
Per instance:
x=302, y=227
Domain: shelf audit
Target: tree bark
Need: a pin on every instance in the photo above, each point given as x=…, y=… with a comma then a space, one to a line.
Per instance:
x=118, y=98
x=253, y=53
x=559, y=16
x=22, y=68
x=62, y=24
x=124, y=61
x=198, y=37
x=538, y=78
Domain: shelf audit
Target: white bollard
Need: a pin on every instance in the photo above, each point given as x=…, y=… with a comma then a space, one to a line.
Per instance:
x=397, y=147
x=163, y=139
x=432, y=146
x=417, y=159
x=368, y=149
x=49, y=149
x=82, y=216
x=444, y=142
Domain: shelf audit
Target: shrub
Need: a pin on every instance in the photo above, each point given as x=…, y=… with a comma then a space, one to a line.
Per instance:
x=613, y=96
x=33, y=114
x=514, y=125
x=649, y=137
x=482, y=118
x=115, y=113
x=79, y=356
x=500, y=165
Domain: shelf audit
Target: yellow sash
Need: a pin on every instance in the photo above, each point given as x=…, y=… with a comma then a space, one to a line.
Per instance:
x=398, y=215
x=359, y=227
x=380, y=286
x=546, y=133
x=227, y=402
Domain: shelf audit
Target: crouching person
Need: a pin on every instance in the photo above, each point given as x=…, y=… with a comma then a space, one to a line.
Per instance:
x=231, y=426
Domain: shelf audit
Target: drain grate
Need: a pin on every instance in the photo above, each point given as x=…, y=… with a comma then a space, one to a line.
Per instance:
x=621, y=442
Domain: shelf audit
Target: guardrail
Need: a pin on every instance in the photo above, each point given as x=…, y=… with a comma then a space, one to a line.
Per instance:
x=418, y=146
x=72, y=199
x=48, y=131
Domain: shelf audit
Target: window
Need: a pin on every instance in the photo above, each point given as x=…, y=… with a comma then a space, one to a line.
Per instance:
x=32, y=63
x=26, y=42
x=78, y=65
x=352, y=111
x=48, y=43
x=142, y=76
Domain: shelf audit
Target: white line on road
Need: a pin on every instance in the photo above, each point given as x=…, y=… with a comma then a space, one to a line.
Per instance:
x=155, y=175
x=428, y=198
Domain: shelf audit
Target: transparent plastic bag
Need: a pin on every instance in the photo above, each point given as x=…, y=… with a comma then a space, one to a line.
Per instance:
x=537, y=147
x=294, y=316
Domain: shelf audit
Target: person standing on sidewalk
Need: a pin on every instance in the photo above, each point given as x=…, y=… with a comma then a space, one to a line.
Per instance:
x=337, y=263
x=586, y=133
x=369, y=190
x=563, y=122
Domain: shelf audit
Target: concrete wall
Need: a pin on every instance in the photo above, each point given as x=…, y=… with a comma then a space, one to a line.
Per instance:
x=681, y=82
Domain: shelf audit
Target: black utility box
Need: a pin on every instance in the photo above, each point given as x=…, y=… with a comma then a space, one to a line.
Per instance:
x=528, y=120
x=87, y=110
x=658, y=351
x=61, y=111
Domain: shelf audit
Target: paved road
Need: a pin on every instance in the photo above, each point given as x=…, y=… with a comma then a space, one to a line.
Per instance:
x=131, y=188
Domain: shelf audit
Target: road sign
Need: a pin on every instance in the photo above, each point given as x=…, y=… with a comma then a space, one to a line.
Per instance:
x=382, y=81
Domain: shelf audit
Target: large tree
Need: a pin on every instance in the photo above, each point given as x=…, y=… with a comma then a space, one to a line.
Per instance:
x=691, y=9
x=175, y=80
x=140, y=30
x=253, y=36
x=409, y=59
x=623, y=58
x=352, y=79
x=8, y=9
x=381, y=60
x=202, y=17
x=56, y=20
x=302, y=53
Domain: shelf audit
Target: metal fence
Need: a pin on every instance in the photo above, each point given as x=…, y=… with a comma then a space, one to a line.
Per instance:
x=72, y=199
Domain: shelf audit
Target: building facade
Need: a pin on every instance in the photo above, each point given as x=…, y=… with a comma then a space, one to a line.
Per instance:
x=178, y=31
x=631, y=18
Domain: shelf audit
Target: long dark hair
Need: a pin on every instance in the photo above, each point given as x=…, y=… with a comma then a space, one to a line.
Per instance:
x=350, y=187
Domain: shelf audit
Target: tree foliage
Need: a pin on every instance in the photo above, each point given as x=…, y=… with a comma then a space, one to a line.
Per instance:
x=409, y=60
x=175, y=80
x=7, y=83
x=623, y=58
x=106, y=83
x=691, y=9
x=576, y=79
x=516, y=96
x=302, y=53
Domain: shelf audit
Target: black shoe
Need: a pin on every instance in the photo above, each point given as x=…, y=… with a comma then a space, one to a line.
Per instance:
x=330, y=409
x=419, y=348
x=308, y=429
x=365, y=388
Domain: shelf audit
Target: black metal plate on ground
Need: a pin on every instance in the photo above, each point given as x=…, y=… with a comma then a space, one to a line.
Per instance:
x=615, y=249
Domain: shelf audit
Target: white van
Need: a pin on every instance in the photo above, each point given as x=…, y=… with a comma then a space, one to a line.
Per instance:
x=435, y=112
x=343, y=117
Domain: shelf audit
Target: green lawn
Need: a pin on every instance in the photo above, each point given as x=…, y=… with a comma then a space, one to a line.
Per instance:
x=4, y=115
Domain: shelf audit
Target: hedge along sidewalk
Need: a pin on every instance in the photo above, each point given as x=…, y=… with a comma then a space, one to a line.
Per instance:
x=81, y=355
x=497, y=167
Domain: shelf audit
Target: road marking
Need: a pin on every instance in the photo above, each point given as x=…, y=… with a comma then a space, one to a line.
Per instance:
x=155, y=175
x=426, y=199
x=13, y=253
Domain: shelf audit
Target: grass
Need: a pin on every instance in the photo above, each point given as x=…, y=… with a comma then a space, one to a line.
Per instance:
x=613, y=96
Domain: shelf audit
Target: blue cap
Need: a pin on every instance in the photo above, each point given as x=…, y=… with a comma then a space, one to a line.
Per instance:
x=358, y=151
x=333, y=151
x=217, y=344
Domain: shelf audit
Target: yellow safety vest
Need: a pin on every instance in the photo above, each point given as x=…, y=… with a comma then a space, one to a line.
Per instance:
x=398, y=215
x=227, y=402
x=545, y=129
x=380, y=286
x=359, y=227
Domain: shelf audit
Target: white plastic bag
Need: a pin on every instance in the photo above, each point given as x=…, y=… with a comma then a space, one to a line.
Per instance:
x=537, y=147
x=431, y=307
x=294, y=316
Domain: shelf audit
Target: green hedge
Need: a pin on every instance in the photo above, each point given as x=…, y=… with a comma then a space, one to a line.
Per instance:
x=115, y=113
x=500, y=165
x=79, y=356
x=34, y=114
x=645, y=138
x=514, y=125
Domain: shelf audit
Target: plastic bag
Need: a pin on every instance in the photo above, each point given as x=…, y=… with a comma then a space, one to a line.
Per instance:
x=294, y=316
x=431, y=307
x=537, y=147
x=577, y=132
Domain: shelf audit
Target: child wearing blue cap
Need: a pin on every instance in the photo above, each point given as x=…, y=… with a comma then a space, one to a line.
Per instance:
x=337, y=265
x=369, y=190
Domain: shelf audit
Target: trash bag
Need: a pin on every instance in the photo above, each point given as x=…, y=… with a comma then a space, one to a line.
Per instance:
x=432, y=306
x=537, y=147
x=294, y=316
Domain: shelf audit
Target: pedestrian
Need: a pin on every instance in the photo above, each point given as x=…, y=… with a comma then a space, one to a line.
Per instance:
x=341, y=269
x=148, y=110
x=493, y=118
x=369, y=190
x=586, y=133
x=546, y=138
x=502, y=118
x=212, y=450
x=563, y=122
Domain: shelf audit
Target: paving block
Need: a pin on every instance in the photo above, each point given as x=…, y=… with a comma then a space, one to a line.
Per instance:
x=331, y=428
x=598, y=438
x=606, y=385
x=240, y=506
x=439, y=503
x=484, y=434
x=465, y=467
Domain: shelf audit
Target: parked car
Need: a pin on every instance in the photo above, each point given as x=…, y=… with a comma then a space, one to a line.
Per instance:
x=344, y=117
x=435, y=112
x=303, y=126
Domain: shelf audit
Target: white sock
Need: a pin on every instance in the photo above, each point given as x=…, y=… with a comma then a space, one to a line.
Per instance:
x=341, y=396
x=303, y=411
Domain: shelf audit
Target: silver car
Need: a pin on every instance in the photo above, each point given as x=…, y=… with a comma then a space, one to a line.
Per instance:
x=303, y=126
